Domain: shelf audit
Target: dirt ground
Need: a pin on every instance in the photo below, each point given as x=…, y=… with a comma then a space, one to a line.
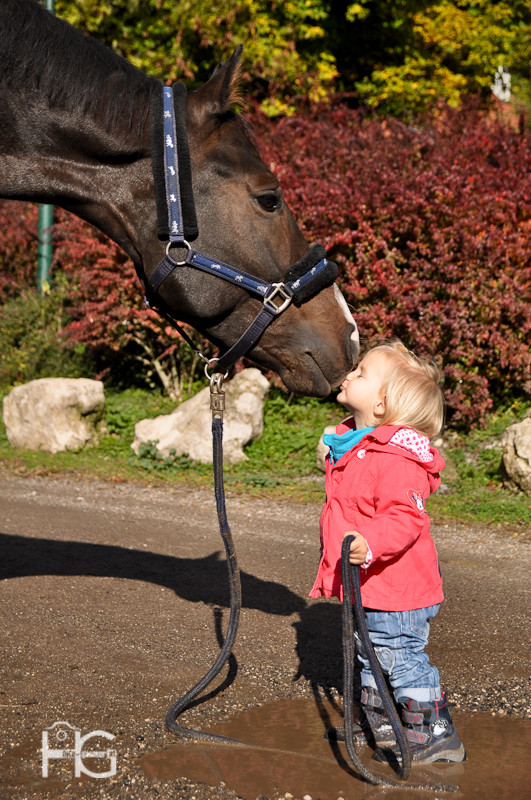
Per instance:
x=113, y=597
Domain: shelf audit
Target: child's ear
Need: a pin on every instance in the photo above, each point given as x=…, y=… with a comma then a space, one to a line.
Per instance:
x=379, y=408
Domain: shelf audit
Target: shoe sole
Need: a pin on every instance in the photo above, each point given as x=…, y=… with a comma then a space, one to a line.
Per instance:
x=454, y=756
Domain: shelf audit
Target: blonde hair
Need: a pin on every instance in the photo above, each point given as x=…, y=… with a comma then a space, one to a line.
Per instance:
x=412, y=390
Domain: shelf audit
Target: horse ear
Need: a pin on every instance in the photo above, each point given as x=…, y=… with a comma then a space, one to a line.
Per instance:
x=220, y=93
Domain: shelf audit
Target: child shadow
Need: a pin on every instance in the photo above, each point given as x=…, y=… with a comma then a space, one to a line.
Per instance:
x=320, y=653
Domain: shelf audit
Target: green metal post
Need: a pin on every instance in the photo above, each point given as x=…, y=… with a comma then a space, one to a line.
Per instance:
x=44, y=252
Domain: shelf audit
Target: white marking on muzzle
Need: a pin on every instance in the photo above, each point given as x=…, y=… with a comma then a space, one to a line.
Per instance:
x=346, y=311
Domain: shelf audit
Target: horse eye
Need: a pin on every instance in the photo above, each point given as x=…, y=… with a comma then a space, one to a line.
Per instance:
x=271, y=201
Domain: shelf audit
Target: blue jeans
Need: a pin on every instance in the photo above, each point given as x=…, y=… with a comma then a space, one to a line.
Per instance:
x=399, y=639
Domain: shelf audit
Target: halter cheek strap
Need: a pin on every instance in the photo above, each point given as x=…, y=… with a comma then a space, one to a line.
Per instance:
x=171, y=166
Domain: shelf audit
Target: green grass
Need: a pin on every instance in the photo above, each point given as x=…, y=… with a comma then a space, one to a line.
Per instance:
x=282, y=462
x=478, y=491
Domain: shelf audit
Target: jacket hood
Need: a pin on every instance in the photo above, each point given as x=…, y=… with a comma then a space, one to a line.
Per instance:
x=379, y=439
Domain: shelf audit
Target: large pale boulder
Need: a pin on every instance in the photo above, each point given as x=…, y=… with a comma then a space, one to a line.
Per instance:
x=55, y=414
x=516, y=443
x=188, y=429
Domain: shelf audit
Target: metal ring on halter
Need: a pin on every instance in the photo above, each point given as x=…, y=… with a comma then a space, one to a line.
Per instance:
x=180, y=243
x=208, y=363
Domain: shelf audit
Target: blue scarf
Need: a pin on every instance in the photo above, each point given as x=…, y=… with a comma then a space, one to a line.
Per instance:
x=341, y=443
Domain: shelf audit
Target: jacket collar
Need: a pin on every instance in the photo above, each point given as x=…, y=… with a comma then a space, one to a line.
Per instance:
x=381, y=436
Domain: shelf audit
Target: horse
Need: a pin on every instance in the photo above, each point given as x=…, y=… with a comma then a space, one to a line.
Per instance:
x=76, y=132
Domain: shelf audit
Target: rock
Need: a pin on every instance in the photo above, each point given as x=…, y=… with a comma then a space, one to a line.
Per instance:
x=516, y=443
x=55, y=414
x=322, y=448
x=188, y=429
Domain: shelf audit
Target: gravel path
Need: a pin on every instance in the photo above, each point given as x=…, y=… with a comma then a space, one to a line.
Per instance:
x=113, y=595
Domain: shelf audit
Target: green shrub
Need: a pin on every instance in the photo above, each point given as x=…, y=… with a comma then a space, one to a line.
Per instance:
x=32, y=347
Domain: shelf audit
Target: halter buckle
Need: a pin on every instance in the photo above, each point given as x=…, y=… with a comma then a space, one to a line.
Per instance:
x=279, y=290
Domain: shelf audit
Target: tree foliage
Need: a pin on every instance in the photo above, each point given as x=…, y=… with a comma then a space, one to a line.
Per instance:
x=398, y=55
x=439, y=50
x=284, y=43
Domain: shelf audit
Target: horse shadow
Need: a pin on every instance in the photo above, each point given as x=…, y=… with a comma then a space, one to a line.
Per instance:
x=194, y=579
x=205, y=580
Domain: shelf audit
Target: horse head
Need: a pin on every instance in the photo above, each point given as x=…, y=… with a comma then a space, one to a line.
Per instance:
x=243, y=219
x=76, y=132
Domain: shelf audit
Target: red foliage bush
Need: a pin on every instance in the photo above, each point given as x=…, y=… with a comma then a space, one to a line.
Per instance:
x=18, y=248
x=107, y=308
x=430, y=227
x=104, y=291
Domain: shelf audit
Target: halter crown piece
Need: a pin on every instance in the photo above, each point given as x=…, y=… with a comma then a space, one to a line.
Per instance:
x=176, y=219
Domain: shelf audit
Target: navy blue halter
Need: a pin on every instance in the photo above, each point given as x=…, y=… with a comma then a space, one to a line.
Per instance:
x=301, y=281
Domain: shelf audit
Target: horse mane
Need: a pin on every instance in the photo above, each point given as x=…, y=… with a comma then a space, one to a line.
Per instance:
x=43, y=54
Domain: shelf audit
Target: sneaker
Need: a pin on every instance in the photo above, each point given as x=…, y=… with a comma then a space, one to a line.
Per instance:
x=430, y=731
x=373, y=727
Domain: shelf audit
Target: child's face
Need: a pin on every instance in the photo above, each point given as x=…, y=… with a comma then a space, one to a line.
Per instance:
x=360, y=392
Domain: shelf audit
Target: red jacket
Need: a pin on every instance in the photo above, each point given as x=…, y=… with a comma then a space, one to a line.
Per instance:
x=379, y=489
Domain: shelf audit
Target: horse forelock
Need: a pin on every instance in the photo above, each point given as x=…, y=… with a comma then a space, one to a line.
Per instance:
x=43, y=55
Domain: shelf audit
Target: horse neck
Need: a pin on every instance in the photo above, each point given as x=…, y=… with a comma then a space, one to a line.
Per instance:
x=74, y=161
x=74, y=129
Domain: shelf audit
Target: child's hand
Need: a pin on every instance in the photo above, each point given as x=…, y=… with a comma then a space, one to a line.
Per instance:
x=358, y=548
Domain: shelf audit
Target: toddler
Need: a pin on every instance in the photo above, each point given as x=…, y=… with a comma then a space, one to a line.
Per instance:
x=379, y=472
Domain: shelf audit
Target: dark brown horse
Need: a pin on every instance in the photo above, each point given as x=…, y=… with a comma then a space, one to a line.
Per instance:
x=75, y=132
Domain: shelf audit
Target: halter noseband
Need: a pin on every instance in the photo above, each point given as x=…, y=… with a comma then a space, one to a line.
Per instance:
x=176, y=219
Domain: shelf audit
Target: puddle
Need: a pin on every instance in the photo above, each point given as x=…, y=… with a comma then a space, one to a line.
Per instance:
x=290, y=755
